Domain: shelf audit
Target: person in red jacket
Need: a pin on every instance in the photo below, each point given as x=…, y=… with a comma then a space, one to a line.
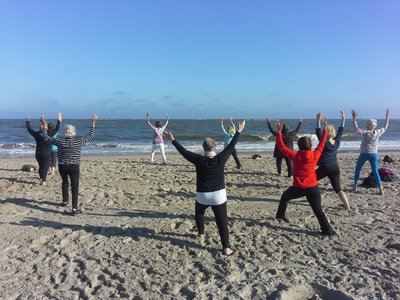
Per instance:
x=304, y=177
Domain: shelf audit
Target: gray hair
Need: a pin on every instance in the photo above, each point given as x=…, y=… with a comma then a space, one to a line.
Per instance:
x=209, y=144
x=69, y=130
x=371, y=124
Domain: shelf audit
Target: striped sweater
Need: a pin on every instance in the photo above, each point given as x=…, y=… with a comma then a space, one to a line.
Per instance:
x=69, y=148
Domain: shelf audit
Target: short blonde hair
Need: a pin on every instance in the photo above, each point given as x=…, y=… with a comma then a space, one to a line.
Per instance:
x=69, y=130
x=331, y=131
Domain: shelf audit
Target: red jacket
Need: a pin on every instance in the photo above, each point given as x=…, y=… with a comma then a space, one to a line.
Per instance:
x=304, y=162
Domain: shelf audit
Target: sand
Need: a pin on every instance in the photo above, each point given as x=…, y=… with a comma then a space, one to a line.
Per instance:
x=137, y=238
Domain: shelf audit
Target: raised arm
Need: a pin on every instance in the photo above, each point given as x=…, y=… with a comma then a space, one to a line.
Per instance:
x=148, y=121
x=90, y=136
x=233, y=124
x=270, y=128
x=318, y=130
x=59, y=119
x=354, y=114
x=298, y=126
x=188, y=155
x=28, y=126
x=321, y=145
x=222, y=126
x=387, y=119
x=166, y=121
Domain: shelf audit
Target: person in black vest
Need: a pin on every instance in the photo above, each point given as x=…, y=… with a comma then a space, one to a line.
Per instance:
x=210, y=183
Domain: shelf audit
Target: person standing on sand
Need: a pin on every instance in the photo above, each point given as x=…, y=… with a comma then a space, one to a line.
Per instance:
x=288, y=137
x=369, y=147
x=158, y=141
x=69, y=158
x=229, y=134
x=53, y=158
x=304, y=177
x=43, y=146
x=210, y=184
x=328, y=164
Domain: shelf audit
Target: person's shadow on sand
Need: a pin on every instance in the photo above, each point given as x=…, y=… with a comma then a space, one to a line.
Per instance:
x=108, y=231
x=32, y=204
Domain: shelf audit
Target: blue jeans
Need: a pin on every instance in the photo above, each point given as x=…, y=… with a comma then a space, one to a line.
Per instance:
x=373, y=160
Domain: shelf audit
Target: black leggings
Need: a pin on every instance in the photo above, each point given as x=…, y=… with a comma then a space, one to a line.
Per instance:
x=71, y=171
x=313, y=196
x=53, y=159
x=333, y=173
x=236, y=158
x=288, y=164
x=44, y=164
x=220, y=213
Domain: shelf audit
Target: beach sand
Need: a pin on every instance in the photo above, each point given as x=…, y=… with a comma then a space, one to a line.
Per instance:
x=137, y=238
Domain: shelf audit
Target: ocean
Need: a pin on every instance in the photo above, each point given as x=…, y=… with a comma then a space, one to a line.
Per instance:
x=135, y=136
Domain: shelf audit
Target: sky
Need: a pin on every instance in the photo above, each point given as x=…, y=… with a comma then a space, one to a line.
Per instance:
x=199, y=59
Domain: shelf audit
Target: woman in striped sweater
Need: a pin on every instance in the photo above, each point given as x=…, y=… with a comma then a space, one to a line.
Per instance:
x=69, y=158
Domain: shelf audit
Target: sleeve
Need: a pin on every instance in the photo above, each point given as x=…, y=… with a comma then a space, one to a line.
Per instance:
x=234, y=127
x=384, y=129
x=318, y=132
x=298, y=127
x=283, y=148
x=321, y=145
x=151, y=125
x=228, y=150
x=29, y=128
x=88, y=137
x=165, y=126
x=57, y=129
x=356, y=128
x=188, y=155
x=223, y=128
x=339, y=134
x=270, y=129
x=45, y=137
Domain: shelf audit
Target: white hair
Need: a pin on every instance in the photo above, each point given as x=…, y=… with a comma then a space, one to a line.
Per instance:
x=371, y=124
x=69, y=130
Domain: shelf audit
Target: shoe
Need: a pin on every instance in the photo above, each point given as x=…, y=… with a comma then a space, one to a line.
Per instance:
x=76, y=211
x=284, y=219
x=329, y=234
x=64, y=203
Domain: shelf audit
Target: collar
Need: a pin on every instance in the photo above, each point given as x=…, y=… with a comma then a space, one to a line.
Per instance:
x=210, y=153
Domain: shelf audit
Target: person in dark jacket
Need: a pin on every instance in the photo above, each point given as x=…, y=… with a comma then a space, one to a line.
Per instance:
x=43, y=146
x=288, y=138
x=210, y=183
x=328, y=164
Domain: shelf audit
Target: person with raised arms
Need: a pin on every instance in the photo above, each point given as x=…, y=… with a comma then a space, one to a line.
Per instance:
x=369, y=147
x=229, y=134
x=328, y=164
x=304, y=177
x=210, y=184
x=158, y=141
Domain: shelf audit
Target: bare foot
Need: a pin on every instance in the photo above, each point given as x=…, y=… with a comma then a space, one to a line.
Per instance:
x=228, y=252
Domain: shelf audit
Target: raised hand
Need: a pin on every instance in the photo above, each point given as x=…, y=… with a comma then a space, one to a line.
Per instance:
x=267, y=120
x=59, y=116
x=241, y=126
x=325, y=122
x=94, y=119
x=318, y=116
x=342, y=114
x=167, y=116
x=147, y=116
x=27, y=117
x=278, y=126
x=222, y=120
x=354, y=114
x=387, y=112
x=232, y=120
x=301, y=120
x=168, y=135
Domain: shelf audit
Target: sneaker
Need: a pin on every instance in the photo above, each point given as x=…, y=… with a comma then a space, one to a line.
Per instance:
x=76, y=211
x=64, y=203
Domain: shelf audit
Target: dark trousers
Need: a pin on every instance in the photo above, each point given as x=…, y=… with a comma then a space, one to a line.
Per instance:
x=333, y=173
x=289, y=165
x=220, y=213
x=43, y=160
x=71, y=171
x=53, y=159
x=236, y=158
x=313, y=196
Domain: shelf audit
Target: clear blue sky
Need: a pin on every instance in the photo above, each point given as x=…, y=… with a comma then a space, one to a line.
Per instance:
x=199, y=59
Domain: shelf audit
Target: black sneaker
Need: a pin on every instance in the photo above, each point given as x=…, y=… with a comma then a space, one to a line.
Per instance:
x=64, y=203
x=76, y=211
x=328, y=234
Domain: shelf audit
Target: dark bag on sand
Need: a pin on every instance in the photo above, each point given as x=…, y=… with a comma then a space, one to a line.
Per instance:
x=388, y=159
x=385, y=174
x=256, y=156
